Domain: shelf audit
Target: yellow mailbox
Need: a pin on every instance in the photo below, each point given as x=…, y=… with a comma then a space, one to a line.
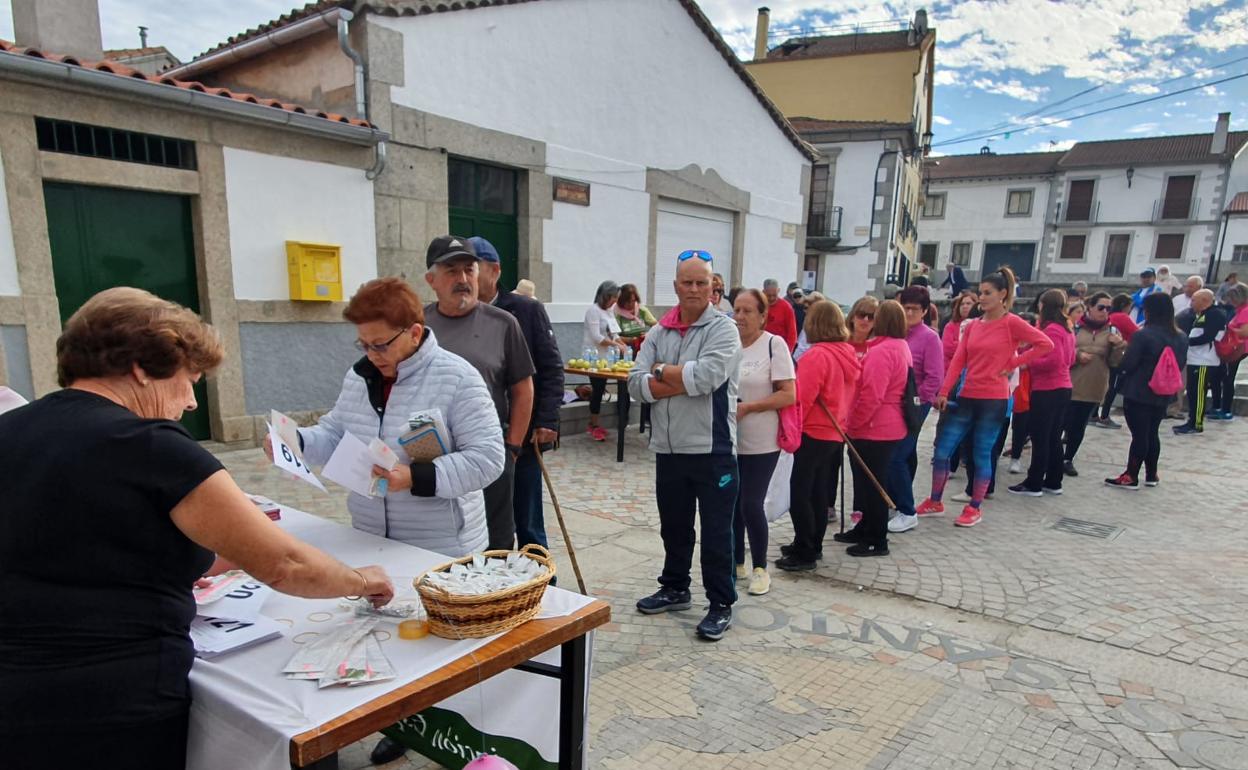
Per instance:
x=315, y=271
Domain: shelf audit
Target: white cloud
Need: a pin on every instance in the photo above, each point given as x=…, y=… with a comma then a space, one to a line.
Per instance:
x=1143, y=128
x=946, y=77
x=1212, y=91
x=941, y=120
x=1013, y=88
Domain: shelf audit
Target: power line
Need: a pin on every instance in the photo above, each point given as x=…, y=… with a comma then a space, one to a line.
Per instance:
x=1157, y=97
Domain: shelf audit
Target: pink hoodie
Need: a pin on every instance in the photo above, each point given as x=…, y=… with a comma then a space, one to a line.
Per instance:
x=829, y=371
x=1051, y=371
x=876, y=413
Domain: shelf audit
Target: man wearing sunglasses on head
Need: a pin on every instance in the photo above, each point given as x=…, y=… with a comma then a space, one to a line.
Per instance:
x=688, y=368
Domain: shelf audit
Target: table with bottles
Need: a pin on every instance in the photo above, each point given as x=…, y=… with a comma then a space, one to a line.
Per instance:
x=610, y=366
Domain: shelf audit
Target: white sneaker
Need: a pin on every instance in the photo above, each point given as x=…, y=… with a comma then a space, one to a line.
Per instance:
x=742, y=572
x=1016, y=466
x=902, y=523
x=960, y=497
x=760, y=582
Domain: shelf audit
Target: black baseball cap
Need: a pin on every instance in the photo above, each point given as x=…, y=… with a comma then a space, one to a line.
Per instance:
x=447, y=247
x=1148, y=272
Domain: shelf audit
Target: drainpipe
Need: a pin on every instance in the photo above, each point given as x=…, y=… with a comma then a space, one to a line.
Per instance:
x=361, y=103
x=1211, y=272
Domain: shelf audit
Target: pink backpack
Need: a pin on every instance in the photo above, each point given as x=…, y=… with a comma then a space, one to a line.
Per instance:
x=1167, y=380
x=789, y=434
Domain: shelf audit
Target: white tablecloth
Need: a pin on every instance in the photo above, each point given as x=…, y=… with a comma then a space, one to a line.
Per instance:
x=245, y=711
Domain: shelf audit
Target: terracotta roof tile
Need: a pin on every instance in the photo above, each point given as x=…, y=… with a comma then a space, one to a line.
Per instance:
x=984, y=166
x=1182, y=148
x=423, y=7
x=130, y=53
x=121, y=70
x=1238, y=204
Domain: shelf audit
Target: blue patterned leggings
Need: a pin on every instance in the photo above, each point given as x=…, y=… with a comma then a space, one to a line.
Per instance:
x=979, y=417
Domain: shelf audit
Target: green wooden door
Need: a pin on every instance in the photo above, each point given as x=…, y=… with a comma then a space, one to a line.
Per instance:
x=103, y=237
x=483, y=203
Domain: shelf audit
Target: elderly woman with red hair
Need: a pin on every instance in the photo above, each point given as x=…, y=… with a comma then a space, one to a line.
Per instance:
x=111, y=512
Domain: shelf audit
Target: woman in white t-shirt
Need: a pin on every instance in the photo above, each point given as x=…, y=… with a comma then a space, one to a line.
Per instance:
x=766, y=385
x=602, y=332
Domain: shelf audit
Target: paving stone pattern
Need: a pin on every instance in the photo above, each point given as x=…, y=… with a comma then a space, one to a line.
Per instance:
x=1009, y=645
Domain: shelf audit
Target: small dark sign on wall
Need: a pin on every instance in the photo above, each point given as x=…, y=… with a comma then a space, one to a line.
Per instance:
x=571, y=191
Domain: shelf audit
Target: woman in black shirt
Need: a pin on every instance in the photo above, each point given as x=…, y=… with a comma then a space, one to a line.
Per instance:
x=111, y=512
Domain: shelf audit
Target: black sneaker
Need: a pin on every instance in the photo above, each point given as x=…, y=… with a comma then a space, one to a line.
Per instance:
x=852, y=536
x=386, y=750
x=794, y=564
x=716, y=622
x=1023, y=489
x=1068, y=468
x=1125, y=481
x=790, y=549
x=866, y=549
x=665, y=600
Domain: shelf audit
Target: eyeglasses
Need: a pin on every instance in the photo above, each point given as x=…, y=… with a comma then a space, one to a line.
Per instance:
x=867, y=316
x=382, y=348
x=1106, y=308
x=705, y=256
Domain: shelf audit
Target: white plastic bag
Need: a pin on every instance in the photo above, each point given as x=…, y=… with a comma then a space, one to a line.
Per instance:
x=776, y=504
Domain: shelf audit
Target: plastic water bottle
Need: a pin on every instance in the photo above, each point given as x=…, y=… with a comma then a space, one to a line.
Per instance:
x=613, y=355
x=628, y=354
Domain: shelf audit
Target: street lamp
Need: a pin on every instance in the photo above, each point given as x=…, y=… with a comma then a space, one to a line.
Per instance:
x=927, y=143
x=1130, y=175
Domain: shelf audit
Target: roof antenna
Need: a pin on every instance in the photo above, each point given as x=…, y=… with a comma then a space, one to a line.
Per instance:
x=142, y=37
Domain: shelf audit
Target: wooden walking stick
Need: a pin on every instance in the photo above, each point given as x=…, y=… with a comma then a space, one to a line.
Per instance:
x=861, y=464
x=567, y=540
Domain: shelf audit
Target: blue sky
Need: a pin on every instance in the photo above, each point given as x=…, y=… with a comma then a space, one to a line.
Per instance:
x=1001, y=66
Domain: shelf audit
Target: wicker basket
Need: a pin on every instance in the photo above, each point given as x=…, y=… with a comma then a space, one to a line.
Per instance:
x=453, y=616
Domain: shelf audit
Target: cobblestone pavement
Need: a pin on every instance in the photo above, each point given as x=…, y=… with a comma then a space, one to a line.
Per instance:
x=1009, y=645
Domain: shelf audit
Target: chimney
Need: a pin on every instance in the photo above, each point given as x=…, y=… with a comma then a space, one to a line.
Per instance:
x=760, y=33
x=1218, y=145
x=68, y=27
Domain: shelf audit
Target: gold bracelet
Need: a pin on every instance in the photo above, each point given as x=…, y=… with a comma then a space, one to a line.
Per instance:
x=361, y=574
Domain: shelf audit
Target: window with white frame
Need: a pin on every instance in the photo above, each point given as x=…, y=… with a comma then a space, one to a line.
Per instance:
x=934, y=206
x=1018, y=203
x=960, y=254
x=1240, y=253
x=928, y=253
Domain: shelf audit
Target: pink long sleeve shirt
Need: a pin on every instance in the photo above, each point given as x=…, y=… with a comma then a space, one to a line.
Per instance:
x=987, y=349
x=876, y=411
x=1051, y=371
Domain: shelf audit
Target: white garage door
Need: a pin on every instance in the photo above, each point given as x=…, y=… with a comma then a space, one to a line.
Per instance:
x=688, y=226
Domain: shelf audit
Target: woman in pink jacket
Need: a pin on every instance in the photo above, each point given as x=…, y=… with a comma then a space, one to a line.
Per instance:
x=876, y=426
x=1050, y=397
x=826, y=378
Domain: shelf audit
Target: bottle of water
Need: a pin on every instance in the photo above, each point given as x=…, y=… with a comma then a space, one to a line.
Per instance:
x=628, y=354
x=613, y=355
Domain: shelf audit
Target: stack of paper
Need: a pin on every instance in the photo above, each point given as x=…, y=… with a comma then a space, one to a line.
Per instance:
x=349, y=654
x=230, y=616
x=214, y=637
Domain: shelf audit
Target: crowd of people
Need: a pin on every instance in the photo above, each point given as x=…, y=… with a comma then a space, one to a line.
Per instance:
x=734, y=382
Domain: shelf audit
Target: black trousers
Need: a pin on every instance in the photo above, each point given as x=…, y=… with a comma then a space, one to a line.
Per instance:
x=597, y=386
x=750, y=517
x=500, y=517
x=1229, y=372
x=157, y=745
x=876, y=455
x=1077, y=415
x=1021, y=422
x=1115, y=382
x=1144, y=421
x=1201, y=380
x=1048, y=413
x=816, y=468
x=697, y=486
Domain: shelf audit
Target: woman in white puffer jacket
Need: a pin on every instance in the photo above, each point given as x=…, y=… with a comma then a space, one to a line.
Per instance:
x=438, y=505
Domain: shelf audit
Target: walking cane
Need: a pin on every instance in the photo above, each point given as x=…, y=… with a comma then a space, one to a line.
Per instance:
x=576, y=568
x=861, y=464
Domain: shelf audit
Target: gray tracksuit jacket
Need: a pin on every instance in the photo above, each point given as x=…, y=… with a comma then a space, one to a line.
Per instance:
x=704, y=420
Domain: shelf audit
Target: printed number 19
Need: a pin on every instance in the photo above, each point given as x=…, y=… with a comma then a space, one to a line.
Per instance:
x=289, y=457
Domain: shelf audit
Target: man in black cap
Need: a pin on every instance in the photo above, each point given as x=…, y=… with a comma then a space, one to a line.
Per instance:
x=794, y=296
x=547, y=389
x=492, y=341
x=1148, y=285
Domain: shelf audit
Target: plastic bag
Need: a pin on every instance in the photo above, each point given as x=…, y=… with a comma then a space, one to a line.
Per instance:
x=776, y=503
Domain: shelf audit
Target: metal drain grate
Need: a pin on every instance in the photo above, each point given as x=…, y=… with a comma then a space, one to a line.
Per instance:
x=1088, y=528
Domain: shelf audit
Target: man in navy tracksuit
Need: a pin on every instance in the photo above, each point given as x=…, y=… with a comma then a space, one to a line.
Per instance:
x=688, y=369
x=1204, y=324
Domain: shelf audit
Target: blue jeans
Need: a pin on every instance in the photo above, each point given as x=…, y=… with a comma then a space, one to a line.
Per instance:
x=981, y=419
x=527, y=503
x=901, y=469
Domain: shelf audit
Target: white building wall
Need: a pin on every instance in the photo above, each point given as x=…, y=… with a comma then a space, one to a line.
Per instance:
x=1236, y=235
x=273, y=199
x=975, y=213
x=633, y=85
x=8, y=253
x=845, y=274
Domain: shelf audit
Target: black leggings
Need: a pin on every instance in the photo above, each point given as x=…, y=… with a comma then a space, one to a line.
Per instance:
x=1077, y=415
x=809, y=490
x=876, y=455
x=755, y=472
x=597, y=386
x=1018, y=434
x=1048, y=411
x=1115, y=382
x=1143, y=420
x=1228, y=386
x=155, y=745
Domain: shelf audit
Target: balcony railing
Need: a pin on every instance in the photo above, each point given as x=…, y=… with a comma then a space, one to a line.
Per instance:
x=1175, y=211
x=823, y=229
